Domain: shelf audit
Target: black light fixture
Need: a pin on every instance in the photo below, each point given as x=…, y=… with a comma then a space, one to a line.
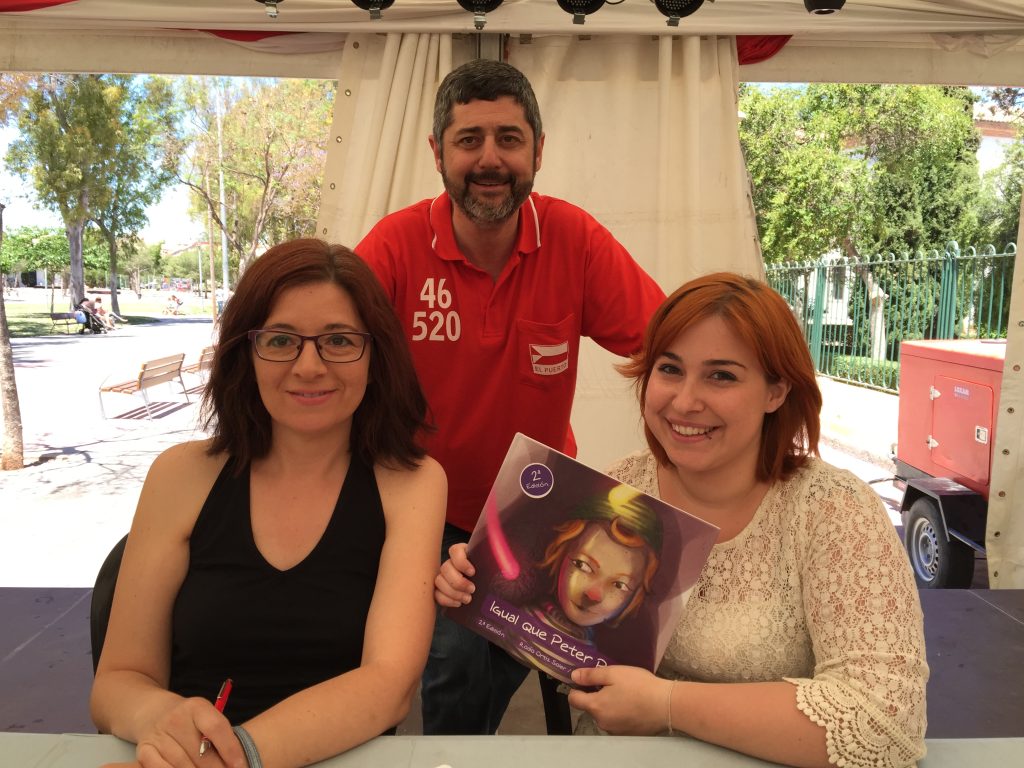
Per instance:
x=580, y=9
x=373, y=6
x=479, y=9
x=823, y=7
x=271, y=6
x=677, y=9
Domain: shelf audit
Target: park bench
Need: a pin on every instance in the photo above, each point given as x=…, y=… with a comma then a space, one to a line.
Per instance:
x=63, y=317
x=200, y=368
x=203, y=364
x=160, y=371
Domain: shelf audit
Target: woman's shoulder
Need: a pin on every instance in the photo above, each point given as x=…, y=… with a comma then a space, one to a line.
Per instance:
x=185, y=470
x=426, y=470
x=639, y=469
x=821, y=491
x=184, y=460
x=426, y=478
x=178, y=483
x=817, y=475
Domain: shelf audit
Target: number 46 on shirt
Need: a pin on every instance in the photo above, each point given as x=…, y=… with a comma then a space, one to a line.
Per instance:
x=433, y=324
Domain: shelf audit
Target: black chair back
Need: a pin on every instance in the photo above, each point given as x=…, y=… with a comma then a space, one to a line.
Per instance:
x=102, y=598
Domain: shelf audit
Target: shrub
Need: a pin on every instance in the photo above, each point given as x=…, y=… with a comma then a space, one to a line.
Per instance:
x=865, y=370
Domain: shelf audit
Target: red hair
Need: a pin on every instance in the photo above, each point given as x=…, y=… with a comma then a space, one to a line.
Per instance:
x=761, y=318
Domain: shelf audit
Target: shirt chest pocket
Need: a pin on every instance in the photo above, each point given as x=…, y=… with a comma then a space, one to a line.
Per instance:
x=546, y=352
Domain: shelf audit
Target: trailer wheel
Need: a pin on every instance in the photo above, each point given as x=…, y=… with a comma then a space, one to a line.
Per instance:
x=937, y=562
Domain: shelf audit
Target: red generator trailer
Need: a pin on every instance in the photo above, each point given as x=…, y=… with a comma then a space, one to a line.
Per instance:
x=949, y=393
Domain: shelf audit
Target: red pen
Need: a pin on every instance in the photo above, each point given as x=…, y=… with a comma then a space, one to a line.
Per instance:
x=219, y=704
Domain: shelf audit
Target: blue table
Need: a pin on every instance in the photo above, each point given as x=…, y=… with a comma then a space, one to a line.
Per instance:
x=75, y=751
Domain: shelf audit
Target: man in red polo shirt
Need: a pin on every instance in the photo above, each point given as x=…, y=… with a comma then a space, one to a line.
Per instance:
x=495, y=285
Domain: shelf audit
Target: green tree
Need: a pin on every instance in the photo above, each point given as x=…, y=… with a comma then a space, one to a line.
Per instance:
x=69, y=133
x=805, y=186
x=37, y=248
x=1008, y=99
x=95, y=257
x=1000, y=213
x=863, y=169
x=874, y=167
x=143, y=164
x=273, y=140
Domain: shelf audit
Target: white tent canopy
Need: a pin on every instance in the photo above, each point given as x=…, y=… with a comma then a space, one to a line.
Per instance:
x=930, y=40
x=640, y=118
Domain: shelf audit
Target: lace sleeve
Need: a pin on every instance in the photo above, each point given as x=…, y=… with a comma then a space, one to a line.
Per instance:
x=637, y=469
x=866, y=626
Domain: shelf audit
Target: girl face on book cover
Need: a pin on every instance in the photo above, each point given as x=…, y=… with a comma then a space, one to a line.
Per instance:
x=599, y=576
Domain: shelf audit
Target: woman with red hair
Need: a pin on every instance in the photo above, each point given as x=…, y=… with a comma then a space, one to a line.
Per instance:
x=802, y=642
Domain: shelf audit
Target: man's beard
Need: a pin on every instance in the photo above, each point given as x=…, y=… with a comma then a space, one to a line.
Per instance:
x=480, y=211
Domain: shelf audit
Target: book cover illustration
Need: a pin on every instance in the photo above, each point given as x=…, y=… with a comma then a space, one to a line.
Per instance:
x=575, y=569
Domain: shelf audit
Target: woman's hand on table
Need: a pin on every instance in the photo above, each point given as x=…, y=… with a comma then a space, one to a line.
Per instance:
x=630, y=701
x=175, y=738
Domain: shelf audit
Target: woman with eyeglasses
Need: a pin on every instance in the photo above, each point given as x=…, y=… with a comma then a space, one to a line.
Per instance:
x=293, y=552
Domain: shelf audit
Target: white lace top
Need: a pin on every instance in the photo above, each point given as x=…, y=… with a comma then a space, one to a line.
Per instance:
x=816, y=590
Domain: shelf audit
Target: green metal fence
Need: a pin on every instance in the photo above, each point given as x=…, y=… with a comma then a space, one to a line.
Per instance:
x=856, y=313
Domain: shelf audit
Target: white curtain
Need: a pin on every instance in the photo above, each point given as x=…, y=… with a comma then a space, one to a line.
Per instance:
x=641, y=132
x=378, y=158
x=1004, y=535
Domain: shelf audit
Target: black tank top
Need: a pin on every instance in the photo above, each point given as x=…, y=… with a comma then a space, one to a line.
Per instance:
x=273, y=632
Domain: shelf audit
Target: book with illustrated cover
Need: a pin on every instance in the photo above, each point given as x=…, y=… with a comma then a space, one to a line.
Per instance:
x=575, y=569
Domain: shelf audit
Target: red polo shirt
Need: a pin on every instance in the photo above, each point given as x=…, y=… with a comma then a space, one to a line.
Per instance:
x=499, y=357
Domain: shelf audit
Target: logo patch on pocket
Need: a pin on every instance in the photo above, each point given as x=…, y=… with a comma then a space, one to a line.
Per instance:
x=549, y=359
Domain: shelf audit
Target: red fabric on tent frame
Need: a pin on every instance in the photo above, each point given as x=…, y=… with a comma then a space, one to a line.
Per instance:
x=751, y=49
x=16, y=6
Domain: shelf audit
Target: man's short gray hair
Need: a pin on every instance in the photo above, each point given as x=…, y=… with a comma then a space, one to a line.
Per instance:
x=487, y=80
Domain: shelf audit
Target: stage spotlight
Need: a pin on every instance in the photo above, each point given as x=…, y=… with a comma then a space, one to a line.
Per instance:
x=823, y=7
x=479, y=9
x=580, y=9
x=373, y=6
x=271, y=6
x=677, y=9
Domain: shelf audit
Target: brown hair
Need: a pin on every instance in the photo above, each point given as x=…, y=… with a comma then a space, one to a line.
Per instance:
x=386, y=424
x=761, y=318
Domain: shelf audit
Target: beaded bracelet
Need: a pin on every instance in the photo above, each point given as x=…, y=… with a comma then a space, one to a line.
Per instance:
x=252, y=755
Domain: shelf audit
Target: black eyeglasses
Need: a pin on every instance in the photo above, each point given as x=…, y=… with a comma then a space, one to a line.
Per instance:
x=334, y=347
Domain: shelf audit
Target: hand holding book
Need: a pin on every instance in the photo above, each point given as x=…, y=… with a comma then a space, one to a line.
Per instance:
x=452, y=585
x=569, y=568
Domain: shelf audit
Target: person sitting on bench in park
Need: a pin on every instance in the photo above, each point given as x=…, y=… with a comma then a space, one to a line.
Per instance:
x=107, y=318
x=92, y=321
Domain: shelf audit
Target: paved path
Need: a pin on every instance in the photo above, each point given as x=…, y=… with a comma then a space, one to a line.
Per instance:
x=61, y=514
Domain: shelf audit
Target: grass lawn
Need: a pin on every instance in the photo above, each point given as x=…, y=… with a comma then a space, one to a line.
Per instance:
x=28, y=313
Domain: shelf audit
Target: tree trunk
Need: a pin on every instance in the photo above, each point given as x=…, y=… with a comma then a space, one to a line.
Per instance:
x=74, y=231
x=112, y=246
x=876, y=303
x=14, y=446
